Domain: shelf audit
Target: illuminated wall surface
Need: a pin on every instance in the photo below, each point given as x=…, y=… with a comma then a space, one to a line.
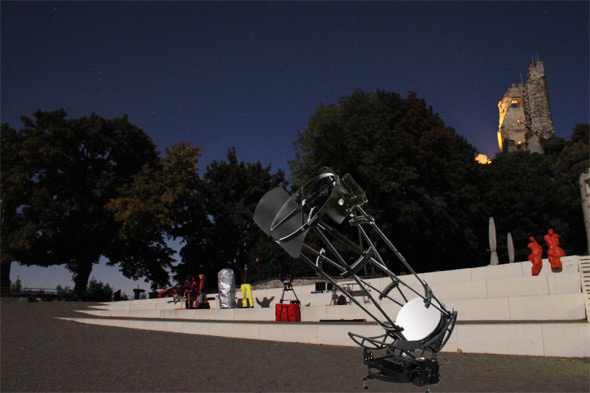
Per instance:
x=525, y=114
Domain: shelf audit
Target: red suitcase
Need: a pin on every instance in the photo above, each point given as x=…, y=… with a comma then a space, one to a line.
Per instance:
x=288, y=312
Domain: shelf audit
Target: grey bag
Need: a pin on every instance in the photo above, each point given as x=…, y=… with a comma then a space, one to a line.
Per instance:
x=227, y=288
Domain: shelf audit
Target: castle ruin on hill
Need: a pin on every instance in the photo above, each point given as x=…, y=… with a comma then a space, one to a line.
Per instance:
x=525, y=114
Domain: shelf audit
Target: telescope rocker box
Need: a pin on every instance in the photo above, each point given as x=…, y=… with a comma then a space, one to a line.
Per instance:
x=288, y=312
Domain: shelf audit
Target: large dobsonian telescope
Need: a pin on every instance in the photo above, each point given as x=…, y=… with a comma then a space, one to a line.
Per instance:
x=407, y=350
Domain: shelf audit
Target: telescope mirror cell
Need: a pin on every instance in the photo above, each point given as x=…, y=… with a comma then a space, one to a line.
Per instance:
x=418, y=321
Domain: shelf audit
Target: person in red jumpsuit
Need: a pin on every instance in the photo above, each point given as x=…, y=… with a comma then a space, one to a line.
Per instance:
x=536, y=256
x=554, y=253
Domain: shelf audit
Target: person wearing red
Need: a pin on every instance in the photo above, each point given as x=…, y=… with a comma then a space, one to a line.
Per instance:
x=554, y=253
x=536, y=256
x=202, y=298
x=190, y=286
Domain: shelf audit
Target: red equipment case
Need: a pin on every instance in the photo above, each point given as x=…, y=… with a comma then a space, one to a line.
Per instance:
x=288, y=312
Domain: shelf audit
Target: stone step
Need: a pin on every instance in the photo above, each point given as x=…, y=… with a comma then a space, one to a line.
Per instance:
x=502, y=309
x=585, y=282
x=564, y=339
x=569, y=306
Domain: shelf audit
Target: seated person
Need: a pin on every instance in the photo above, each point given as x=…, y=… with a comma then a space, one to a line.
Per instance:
x=190, y=286
x=202, y=297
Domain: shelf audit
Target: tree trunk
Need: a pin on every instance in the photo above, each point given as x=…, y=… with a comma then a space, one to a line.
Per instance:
x=81, y=276
x=5, y=277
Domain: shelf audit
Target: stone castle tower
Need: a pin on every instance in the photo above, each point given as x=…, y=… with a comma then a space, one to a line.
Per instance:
x=525, y=114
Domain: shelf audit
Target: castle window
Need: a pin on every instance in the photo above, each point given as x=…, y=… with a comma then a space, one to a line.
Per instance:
x=514, y=104
x=519, y=122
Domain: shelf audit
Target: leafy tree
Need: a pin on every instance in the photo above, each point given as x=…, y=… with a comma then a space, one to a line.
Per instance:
x=515, y=185
x=98, y=292
x=63, y=292
x=154, y=208
x=228, y=194
x=553, y=145
x=60, y=175
x=17, y=286
x=419, y=174
x=528, y=193
x=15, y=192
x=576, y=150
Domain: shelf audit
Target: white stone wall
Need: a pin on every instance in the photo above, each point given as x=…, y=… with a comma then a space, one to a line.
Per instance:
x=503, y=309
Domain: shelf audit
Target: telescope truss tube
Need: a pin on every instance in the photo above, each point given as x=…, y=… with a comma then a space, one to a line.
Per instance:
x=407, y=350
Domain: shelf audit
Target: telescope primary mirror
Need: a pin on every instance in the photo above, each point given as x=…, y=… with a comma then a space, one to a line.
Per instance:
x=418, y=321
x=407, y=350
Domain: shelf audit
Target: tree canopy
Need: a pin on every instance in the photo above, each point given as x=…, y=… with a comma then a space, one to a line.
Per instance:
x=221, y=228
x=78, y=190
x=67, y=188
x=529, y=193
x=419, y=175
x=425, y=189
x=152, y=209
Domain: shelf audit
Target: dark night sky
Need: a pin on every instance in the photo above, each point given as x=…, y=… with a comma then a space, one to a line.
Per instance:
x=250, y=74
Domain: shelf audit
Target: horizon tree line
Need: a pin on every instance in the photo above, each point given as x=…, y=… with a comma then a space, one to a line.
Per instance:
x=76, y=190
